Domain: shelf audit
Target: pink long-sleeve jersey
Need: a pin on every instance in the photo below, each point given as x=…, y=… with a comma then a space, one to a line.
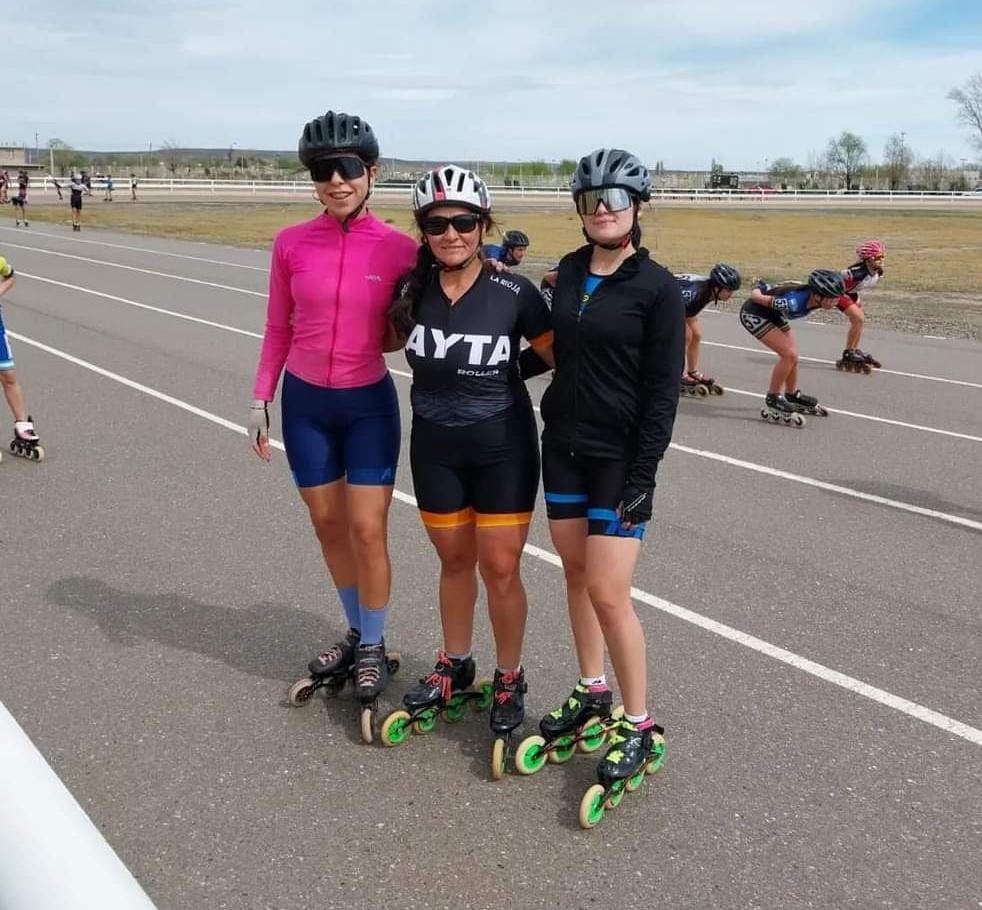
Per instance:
x=328, y=295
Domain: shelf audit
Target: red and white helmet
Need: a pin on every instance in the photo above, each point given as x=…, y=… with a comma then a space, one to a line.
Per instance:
x=870, y=249
x=451, y=185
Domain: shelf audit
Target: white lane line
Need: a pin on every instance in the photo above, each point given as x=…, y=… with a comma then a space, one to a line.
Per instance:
x=831, y=487
x=133, y=268
x=935, y=337
x=881, y=696
x=807, y=481
x=140, y=249
x=896, y=423
x=762, y=350
x=143, y=306
x=220, y=325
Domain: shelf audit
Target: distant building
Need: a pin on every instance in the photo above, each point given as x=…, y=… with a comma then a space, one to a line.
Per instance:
x=15, y=156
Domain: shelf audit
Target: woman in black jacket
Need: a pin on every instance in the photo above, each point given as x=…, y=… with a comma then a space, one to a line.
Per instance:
x=619, y=325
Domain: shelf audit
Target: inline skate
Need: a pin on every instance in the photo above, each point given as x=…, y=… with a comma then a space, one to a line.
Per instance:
x=777, y=408
x=870, y=359
x=26, y=442
x=334, y=668
x=805, y=404
x=581, y=723
x=507, y=712
x=443, y=694
x=696, y=383
x=635, y=751
x=854, y=361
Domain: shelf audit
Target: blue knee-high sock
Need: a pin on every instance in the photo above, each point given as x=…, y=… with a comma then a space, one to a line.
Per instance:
x=349, y=600
x=372, y=625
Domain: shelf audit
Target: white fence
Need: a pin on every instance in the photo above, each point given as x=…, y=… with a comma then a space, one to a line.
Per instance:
x=157, y=186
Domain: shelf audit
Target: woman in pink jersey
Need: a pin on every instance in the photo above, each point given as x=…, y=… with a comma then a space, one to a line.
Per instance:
x=330, y=284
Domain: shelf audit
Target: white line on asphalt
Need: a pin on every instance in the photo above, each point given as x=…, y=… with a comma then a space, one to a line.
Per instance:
x=220, y=325
x=142, y=306
x=740, y=347
x=141, y=249
x=133, y=268
x=808, y=481
x=896, y=423
x=881, y=696
x=935, y=337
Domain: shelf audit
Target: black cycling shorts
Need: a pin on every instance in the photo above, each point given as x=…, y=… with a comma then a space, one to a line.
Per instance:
x=578, y=486
x=759, y=319
x=486, y=472
x=76, y=201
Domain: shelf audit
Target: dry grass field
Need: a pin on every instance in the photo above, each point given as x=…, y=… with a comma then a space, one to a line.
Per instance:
x=933, y=283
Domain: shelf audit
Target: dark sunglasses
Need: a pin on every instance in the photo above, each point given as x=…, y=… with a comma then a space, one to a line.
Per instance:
x=462, y=224
x=324, y=169
x=614, y=198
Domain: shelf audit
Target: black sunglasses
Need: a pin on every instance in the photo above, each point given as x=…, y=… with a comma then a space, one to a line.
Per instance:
x=462, y=224
x=324, y=169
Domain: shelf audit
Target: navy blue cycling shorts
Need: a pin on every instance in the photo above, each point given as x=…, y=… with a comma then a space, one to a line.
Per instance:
x=578, y=486
x=335, y=433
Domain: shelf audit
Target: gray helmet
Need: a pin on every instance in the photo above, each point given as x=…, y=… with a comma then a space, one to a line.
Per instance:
x=334, y=133
x=826, y=283
x=725, y=276
x=611, y=167
x=515, y=238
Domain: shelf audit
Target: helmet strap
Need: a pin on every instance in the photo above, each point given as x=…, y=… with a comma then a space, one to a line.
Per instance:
x=463, y=265
x=621, y=244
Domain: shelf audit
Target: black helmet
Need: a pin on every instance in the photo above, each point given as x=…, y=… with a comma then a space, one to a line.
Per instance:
x=826, y=283
x=334, y=133
x=611, y=167
x=515, y=238
x=725, y=276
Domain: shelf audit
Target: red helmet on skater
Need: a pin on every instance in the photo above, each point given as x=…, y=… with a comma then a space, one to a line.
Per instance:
x=870, y=249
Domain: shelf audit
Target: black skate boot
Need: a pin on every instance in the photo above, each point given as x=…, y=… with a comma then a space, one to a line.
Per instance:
x=635, y=750
x=372, y=670
x=442, y=694
x=26, y=442
x=777, y=408
x=870, y=359
x=805, y=404
x=330, y=670
x=507, y=712
x=853, y=361
x=581, y=722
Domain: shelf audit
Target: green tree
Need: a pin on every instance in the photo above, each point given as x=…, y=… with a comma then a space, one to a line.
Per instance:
x=786, y=172
x=567, y=167
x=845, y=155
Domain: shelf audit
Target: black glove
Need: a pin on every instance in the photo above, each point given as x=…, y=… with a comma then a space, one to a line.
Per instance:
x=531, y=364
x=636, y=504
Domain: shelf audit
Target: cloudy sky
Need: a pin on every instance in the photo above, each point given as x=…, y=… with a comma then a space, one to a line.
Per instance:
x=682, y=81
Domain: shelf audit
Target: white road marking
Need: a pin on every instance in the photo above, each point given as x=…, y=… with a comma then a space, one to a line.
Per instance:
x=881, y=696
x=763, y=350
x=935, y=337
x=141, y=249
x=133, y=268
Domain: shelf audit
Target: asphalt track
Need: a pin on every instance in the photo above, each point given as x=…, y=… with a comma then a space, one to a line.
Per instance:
x=811, y=602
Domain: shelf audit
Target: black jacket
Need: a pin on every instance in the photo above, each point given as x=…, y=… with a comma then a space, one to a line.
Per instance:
x=618, y=364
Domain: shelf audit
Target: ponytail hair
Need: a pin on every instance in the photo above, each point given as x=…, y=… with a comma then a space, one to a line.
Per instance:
x=403, y=309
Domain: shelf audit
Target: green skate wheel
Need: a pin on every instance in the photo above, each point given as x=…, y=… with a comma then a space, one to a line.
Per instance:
x=592, y=806
x=454, y=711
x=499, y=758
x=426, y=722
x=395, y=729
x=483, y=701
x=615, y=796
x=530, y=756
x=634, y=782
x=593, y=734
x=563, y=749
x=657, y=756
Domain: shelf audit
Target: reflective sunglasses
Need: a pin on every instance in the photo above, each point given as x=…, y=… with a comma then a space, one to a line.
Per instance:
x=462, y=224
x=614, y=198
x=324, y=169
